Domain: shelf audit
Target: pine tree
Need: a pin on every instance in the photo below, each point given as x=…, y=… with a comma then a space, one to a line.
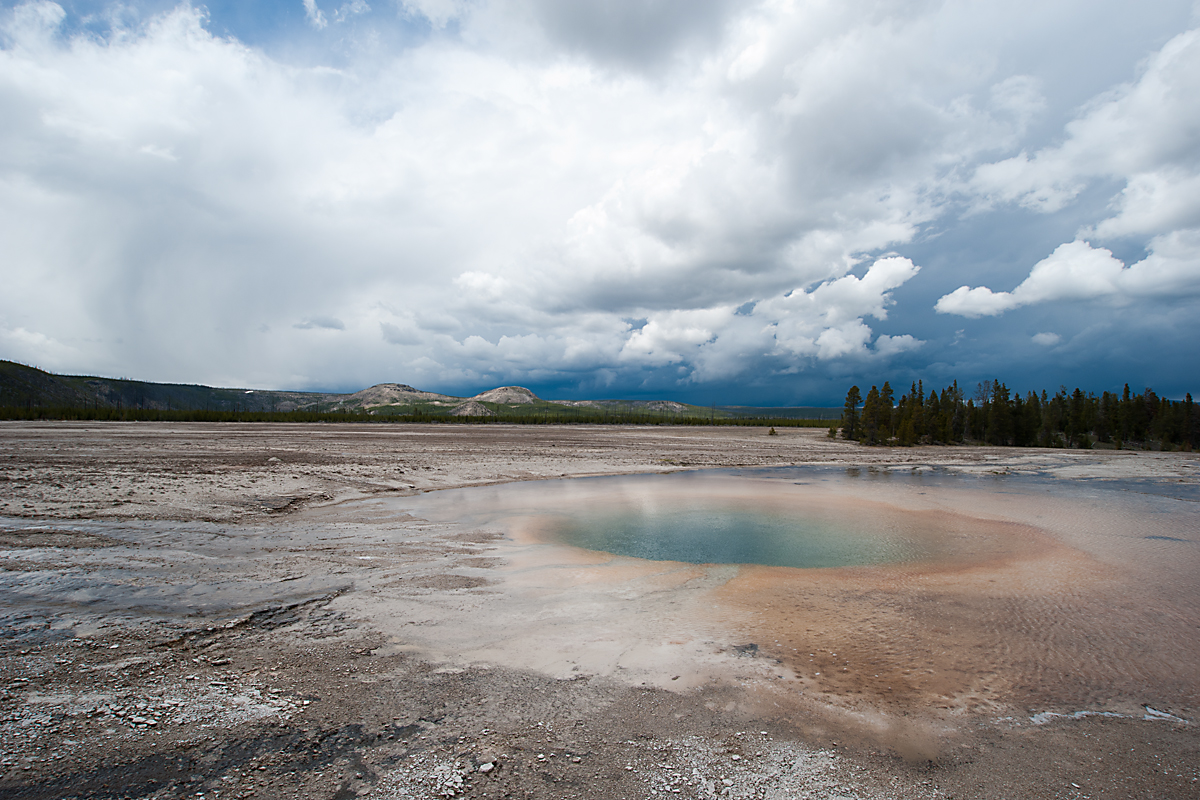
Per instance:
x=1125, y=412
x=850, y=419
x=1191, y=423
x=870, y=417
x=933, y=417
x=1031, y=421
x=999, y=415
x=1076, y=432
x=958, y=420
x=1106, y=417
x=917, y=407
x=886, y=405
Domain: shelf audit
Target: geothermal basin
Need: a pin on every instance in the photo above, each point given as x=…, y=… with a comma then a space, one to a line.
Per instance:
x=382, y=610
x=842, y=594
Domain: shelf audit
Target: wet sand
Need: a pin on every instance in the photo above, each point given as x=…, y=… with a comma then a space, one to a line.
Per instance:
x=292, y=598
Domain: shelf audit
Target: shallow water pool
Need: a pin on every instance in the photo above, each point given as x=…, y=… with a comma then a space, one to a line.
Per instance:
x=802, y=518
x=725, y=531
x=915, y=586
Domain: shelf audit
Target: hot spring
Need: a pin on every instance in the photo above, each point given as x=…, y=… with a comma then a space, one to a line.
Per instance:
x=905, y=587
x=730, y=533
x=799, y=518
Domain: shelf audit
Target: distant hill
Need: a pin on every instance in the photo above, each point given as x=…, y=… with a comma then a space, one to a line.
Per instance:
x=28, y=387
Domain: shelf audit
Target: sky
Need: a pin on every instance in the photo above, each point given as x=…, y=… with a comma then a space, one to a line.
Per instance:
x=711, y=201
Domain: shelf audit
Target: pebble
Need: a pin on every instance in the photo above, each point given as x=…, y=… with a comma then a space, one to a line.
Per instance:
x=486, y=768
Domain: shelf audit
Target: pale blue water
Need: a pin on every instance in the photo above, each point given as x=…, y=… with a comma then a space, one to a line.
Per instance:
x=728, y=534
x=807, y=517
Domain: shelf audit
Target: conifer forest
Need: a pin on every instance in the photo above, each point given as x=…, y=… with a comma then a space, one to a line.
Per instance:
x=992, y=414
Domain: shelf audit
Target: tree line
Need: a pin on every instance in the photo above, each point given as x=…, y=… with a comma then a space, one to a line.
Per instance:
x=993, y=414
x=598, y=417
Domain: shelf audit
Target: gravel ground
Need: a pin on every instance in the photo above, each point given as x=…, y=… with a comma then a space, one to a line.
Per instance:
x=182, y=616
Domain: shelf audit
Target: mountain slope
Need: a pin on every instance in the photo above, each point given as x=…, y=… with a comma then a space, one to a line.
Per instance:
x=23, y=386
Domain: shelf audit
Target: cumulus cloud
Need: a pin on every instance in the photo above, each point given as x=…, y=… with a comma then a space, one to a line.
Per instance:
x=891, y=345
x=496, y=197
x=1145, y=134
x=1078, y=271
x=1046, y=339
x=667, y=337
x=978, y=302
x=828, y=321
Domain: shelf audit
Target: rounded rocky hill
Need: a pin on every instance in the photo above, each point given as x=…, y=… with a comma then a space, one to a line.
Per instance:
x=507, y=394
x=471, y=409
x=385, y=394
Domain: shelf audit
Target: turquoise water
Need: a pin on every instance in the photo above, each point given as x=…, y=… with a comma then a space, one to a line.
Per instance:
x=729, y=534
x=807, y=516
x=777, y=517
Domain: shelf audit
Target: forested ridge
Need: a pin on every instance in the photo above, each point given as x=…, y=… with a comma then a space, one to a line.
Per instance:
x=992, y=414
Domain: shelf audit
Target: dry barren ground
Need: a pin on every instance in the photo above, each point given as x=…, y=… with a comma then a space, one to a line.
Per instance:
x=182, y=617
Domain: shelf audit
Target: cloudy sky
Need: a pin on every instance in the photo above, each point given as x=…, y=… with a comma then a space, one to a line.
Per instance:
x=705, y=200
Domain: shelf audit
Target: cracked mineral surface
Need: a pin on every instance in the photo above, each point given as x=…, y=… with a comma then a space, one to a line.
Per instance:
x=300, y=611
